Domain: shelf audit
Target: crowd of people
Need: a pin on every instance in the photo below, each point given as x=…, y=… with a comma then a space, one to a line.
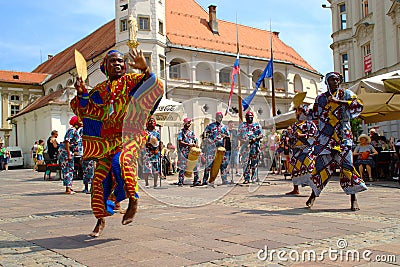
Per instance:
x=115, y=144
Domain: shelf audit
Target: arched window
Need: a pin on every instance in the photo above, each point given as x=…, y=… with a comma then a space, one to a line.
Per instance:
x=178, y=69
x=225, y=75
x=279, y=82
x=203, y=72
x=298, y=84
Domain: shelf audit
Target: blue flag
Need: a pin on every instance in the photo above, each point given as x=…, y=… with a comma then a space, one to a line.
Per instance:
x=267, y=73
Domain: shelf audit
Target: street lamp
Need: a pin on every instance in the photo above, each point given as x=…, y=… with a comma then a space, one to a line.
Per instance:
x=325, y=6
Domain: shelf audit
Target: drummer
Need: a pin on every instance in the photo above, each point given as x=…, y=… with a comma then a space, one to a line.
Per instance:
x=250, y=135
x=186, y=140
x=214, y=136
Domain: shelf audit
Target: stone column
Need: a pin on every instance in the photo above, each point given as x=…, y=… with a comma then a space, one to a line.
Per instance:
x=4, y=105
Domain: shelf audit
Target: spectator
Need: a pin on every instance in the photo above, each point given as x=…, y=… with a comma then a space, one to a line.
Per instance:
x=33, y=155
x=39, y=153
x=234, y=159
x=365, y=151
x=173, y=159
x=3, y=157
x=383, y=159
x=397, y=148
x=52, y=145
x=273, y=142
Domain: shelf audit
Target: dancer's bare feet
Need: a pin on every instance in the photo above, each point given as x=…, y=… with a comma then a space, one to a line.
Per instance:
x=354, y=203
x=98, y=229
x=310, y=201
x=117, y=206
x=130, y=212
x=293, y=192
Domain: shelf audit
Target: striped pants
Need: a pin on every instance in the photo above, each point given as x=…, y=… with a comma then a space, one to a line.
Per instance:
x=115, y=179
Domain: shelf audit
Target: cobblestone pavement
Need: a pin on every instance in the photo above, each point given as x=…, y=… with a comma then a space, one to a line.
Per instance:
x=256, y=225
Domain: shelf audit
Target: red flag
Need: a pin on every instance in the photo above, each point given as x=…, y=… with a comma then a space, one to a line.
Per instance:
x=235, y=72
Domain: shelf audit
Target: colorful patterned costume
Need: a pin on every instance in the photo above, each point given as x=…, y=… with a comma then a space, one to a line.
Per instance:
x=67, y=166
x=334, y=141
x=87, y=165
x=114, y=115
x=214, y=139
x=249, y=151
x=302, y=159
x=151, y=158
x=189, y=137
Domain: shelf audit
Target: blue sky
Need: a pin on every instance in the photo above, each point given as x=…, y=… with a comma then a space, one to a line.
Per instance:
x=31, y=30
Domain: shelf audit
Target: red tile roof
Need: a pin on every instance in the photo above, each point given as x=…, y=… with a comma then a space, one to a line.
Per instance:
x=22, y=77
x=52, y=98
x=187, y=26
x=91, y=46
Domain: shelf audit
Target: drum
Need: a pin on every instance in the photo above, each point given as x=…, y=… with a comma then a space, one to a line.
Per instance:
x=218, y=158
x=193, y=156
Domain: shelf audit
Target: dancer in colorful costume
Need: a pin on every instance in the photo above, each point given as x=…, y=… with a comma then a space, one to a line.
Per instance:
x=333, y=109
x=114, y=114
x=186, y=140
x=66, y=152
x=151, y=153
x=250, y=134
x=214, y=135
x=301, y=141
x=87, y=165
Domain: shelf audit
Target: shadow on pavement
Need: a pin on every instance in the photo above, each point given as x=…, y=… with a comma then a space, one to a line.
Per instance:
x=278, y=196
x=61, y=242
x=71, y=242
x=64, y=213
x=295, y=211
x=38, y=194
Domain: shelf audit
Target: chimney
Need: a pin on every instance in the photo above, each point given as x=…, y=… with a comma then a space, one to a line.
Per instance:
x=212, y=18
x=49, y=57
x=276, y=34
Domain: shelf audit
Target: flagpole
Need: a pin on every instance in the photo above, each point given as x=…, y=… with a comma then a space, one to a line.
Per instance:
x=240, y=106
x=272, y=78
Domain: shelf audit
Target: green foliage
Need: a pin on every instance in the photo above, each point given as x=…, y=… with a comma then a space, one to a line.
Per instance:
x=356, y=127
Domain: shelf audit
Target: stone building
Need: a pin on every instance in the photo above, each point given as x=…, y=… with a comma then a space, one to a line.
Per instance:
x=18, y=90
x=192, y=51
x=366, y=43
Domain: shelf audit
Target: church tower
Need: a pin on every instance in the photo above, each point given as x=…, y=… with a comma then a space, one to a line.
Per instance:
x=150, y=16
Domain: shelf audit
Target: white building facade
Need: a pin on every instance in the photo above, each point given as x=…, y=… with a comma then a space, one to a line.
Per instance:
x=193, y=54
x=366, y=42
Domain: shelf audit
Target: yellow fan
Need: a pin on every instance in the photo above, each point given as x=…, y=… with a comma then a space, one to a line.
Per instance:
x=80, y=63
x=298, y=99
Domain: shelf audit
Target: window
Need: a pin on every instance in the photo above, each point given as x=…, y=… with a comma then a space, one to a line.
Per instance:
x=160, y=27
x=147, y=56
x=364, y=8
x=225, y=76
x=123, y=25
x=342, y=16
x=174, y=70
x=162, y=68
x=14, y=98
x=345, y=67
x=14, y=109
x=144, y=23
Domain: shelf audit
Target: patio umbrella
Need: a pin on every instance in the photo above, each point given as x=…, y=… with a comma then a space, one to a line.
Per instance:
x=381, y=103
x=392, y=84
x=169, y=113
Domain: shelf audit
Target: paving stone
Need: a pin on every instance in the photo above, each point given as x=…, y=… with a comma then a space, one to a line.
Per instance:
x=45, y=227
